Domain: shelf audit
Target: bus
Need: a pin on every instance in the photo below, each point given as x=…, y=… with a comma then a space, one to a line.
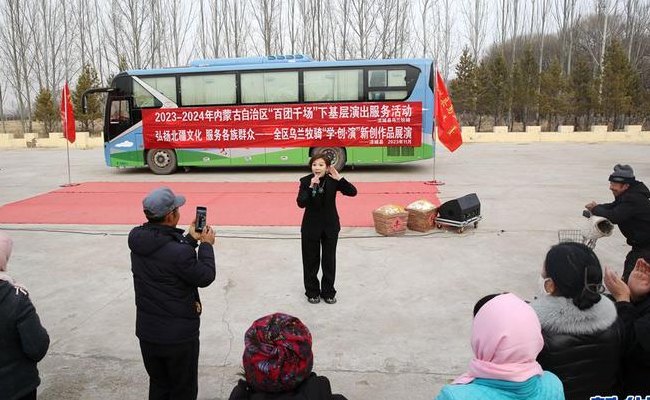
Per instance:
x=273, y=110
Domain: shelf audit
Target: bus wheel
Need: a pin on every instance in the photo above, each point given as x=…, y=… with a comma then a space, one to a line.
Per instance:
x=161, y=161
x=336, y=154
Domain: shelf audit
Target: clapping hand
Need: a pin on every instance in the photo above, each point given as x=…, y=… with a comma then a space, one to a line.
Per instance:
x=616, y=286
x=591, y=205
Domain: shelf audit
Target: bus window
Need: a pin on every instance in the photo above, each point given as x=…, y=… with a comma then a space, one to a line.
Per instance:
x=199, y=90
x=334, y=85
x=384, y=84
x=165, y=85
x=269, y=87
x=119, y=112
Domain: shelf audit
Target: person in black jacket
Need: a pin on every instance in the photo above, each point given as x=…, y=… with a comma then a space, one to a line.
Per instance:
x=278, y=363
x=633, y=305
x=320, y=226
x=167, y=272
x=582, y=335
x=23, y=340
x=630, y=210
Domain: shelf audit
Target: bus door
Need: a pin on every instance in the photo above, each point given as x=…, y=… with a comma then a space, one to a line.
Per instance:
x=119, y=118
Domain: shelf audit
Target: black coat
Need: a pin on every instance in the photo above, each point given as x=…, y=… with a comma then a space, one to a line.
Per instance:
x=166, y=275
x=321, y=214
x=313, y=388
x=631, y=212
x=635, y=376
x=582, y=347
x=23, y=343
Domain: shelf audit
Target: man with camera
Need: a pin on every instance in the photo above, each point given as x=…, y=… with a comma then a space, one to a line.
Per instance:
x=167, y=272
x=630, y=210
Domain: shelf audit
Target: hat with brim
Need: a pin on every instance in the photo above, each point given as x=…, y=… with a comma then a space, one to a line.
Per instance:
x=161, y=202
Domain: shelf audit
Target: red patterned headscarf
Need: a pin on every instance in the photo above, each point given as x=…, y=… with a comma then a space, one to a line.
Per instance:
x=277, y=354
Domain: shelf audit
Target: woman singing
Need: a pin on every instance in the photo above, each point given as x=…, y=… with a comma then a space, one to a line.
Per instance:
x=320, y=226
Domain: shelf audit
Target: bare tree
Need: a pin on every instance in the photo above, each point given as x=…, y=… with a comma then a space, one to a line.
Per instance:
x=237, y=27
x=265, y=12
x=179, y=21
x=565, y=16
x=475, y=14
x=363, y=23
x=444, y=37
x=16, y=39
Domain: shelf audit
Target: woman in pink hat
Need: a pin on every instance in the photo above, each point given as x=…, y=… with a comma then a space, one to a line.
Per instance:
x=506, y=339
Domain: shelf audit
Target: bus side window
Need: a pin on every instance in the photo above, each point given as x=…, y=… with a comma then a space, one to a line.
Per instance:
x=119, y=112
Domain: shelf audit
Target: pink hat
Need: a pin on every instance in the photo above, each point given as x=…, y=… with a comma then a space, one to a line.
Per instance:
x=5, y=250
x=506, y=339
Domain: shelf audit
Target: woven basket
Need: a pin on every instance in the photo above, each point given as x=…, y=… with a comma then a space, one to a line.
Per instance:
x=421, y=216
x=390, y=220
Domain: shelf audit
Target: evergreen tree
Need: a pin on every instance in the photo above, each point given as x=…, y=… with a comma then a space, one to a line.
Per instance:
x=496, y=87
x=618, y=79
x=88, y=79
x=525, y=81
x=582, y=87
x=553, y=97
x=45, y=110
x=464, y=89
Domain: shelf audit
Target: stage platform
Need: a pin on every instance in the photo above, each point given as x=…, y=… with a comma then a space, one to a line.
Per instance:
x=228, y=203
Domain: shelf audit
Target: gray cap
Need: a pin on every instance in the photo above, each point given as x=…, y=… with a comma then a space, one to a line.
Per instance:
x=622, y=174
x=161, y=202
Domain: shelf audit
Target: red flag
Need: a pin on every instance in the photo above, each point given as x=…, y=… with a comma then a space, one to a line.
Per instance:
x=67, y=115
x=449, y=131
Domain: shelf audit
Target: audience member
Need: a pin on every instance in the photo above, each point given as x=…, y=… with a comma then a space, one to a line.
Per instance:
x=633, y=305
x=278, y=363
x=506, y=339
x=23, y=340
x=582, y=336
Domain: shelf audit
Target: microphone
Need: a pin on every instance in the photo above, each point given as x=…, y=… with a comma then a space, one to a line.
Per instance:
x=314, y=186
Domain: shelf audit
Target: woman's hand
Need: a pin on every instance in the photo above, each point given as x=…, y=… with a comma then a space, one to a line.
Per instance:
x=334, y=173
x=616, y=286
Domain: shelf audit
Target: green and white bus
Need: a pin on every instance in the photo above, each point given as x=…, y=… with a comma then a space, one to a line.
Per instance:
x=276, y=110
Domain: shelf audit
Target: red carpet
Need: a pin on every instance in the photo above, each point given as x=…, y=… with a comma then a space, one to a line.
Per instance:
x=229, y=203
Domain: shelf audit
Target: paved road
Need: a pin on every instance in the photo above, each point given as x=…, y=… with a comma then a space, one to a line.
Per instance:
x=404, y=312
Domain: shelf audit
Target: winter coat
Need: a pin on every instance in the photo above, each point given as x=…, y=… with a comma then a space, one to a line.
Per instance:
x=321, y=215
x=23, y=343
x=631, y=212
x=313, y=388
x=582, y=347
x=544, y=387
x=635, y=374
x=167, y=273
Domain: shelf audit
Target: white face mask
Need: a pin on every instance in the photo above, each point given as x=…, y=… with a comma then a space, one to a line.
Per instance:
x=541, y=283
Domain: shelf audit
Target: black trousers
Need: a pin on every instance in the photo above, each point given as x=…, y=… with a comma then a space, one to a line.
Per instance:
x=631, y=258
x=311, y=259
x=172, y=369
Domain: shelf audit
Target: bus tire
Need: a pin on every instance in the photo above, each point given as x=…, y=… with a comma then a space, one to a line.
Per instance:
x=162, y=161
x=336, y=154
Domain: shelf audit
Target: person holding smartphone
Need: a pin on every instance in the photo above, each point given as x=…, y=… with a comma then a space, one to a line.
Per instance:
x=320, y=226
x=168, y=268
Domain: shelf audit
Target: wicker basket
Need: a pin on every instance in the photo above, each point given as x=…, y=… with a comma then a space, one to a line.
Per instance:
x=390, y=220
x=421, y=215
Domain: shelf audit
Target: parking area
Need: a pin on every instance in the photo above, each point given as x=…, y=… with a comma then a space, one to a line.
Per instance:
x=405, y=303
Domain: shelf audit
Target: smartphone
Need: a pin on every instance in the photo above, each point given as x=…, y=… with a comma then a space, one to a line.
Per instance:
x=201, y=215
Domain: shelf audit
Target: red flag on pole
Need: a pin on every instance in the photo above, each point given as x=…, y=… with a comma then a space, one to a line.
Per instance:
x=67, y=115
x=449, y=131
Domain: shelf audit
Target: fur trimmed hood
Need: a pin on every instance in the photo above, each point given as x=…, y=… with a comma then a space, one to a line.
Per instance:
x=559, y=315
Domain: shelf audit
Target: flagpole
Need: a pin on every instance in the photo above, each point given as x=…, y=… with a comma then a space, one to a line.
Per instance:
x=434, y=136
x=67, y=139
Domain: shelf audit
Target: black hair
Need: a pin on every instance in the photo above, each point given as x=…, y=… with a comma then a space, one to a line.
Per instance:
x=325, y=157
x=484, y=300
x=153, y=219
x=576, y=272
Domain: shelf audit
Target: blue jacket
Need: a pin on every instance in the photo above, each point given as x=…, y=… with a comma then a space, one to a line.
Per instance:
x=544, y=387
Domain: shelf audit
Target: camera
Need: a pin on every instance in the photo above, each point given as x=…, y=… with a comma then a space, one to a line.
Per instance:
x=201, y=215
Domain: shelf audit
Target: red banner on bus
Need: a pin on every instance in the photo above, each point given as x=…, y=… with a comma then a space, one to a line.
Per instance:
x=296, y=125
